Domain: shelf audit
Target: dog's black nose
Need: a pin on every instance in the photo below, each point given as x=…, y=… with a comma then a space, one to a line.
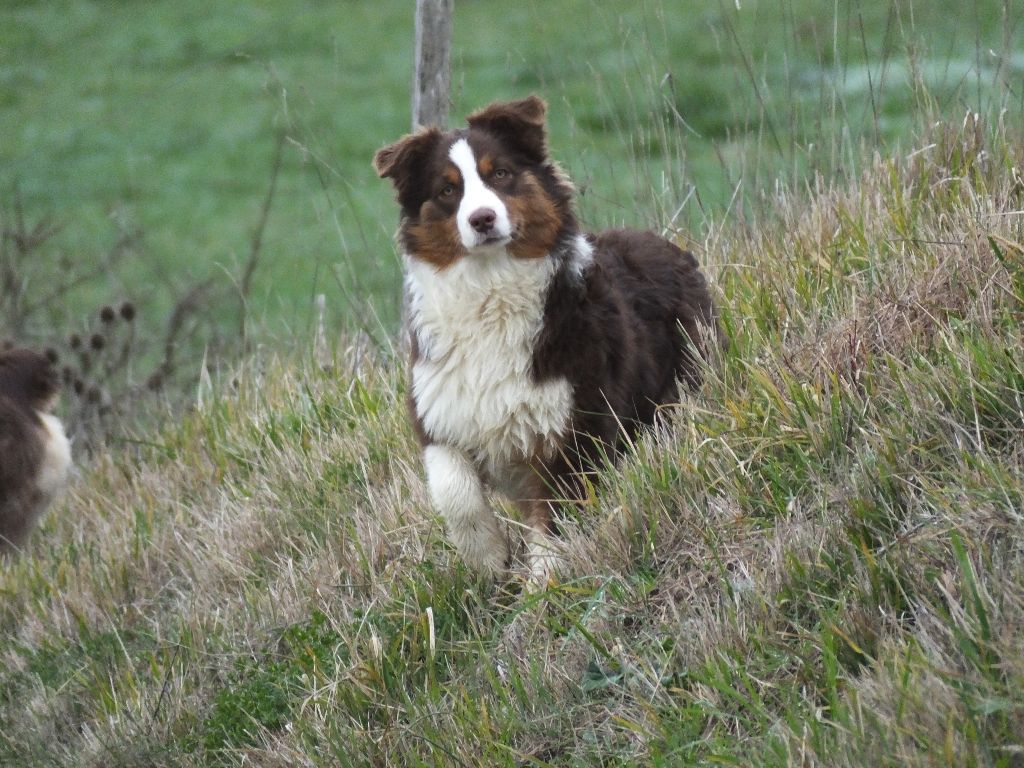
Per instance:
x=482, y=220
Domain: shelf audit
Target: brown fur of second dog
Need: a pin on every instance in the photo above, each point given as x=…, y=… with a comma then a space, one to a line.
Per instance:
x=35, y=454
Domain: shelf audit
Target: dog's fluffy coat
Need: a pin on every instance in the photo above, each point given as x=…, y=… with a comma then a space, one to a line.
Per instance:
x=35, y=454
x=535, y=349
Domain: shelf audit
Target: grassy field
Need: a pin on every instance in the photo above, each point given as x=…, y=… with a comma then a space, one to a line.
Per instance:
x=163, y=117
x=819, y=562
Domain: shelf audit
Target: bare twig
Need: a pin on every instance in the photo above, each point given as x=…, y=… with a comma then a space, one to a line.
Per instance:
x=256, y=247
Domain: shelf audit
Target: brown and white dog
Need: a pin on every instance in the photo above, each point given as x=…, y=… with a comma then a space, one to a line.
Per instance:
x=35, y=454
x=536, y=350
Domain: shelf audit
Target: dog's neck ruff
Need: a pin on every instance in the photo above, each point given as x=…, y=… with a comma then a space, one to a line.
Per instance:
x=476, y=323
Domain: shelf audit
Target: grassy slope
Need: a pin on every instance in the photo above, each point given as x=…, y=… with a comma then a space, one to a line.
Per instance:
x=819, y=564
x=164, y=115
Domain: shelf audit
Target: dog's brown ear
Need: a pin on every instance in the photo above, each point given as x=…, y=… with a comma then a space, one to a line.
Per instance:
x=394, y=160
x=28, y=377
x=520, y=124
x=403, y=161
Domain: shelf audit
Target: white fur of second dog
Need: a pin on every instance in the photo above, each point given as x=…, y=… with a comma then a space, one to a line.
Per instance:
x=53, y=474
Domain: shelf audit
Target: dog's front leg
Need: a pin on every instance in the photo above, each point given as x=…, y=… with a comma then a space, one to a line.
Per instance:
x=542, y=557
x=458, y=495
x=542, y=553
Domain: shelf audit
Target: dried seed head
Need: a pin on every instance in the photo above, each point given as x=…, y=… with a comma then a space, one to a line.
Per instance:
x=107, y=315
x=94, y=395
x=74, y=341
x=51, y=355
x=97, y=341
x=128, y=311
x=78, y=387
x=155, y=382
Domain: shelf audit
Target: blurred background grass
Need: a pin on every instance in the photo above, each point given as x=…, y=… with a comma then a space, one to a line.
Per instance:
x=164, y=117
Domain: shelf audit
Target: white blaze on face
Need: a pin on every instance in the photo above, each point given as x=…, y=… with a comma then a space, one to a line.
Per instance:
x=477, y=196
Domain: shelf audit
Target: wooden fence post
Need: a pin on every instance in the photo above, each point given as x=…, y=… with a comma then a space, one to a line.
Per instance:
x=432, y=74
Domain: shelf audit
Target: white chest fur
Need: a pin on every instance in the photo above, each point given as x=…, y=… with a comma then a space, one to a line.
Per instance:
x=57, y=457
x=476, y=323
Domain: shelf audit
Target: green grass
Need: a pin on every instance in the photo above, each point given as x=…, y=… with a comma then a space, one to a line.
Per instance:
x=818, y=563
x=164, y=116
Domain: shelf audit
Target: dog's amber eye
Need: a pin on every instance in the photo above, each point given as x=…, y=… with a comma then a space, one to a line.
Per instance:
x=501, y=173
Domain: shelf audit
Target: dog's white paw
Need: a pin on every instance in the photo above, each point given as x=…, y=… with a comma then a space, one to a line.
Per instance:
x=543, y=562
x=483, y=546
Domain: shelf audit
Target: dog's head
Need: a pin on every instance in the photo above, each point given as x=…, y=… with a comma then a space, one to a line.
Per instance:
x=28, y=377
x=488, y=186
